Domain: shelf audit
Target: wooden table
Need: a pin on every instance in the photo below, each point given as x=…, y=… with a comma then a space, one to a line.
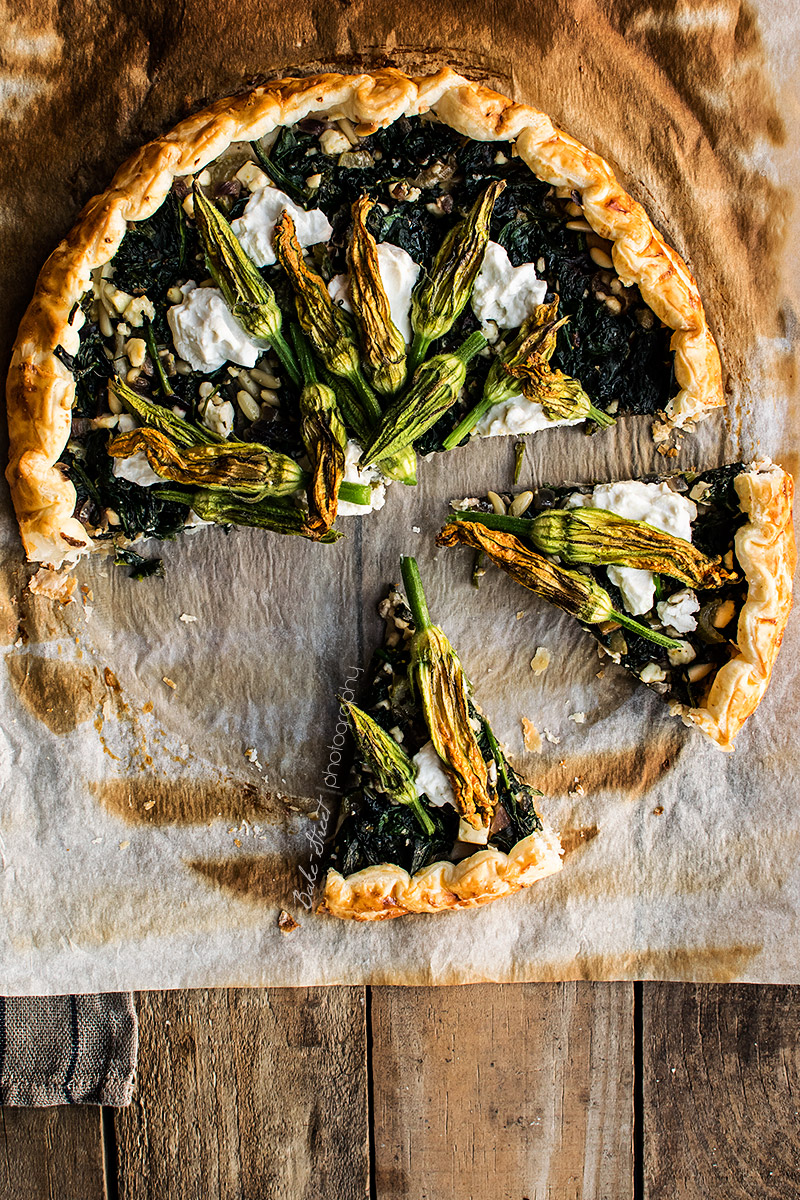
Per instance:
x=574, y=1091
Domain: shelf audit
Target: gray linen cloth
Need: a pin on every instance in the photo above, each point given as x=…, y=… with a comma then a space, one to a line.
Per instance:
x=67, y=1049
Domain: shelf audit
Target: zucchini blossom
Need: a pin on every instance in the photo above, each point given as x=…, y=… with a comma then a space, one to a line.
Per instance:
x=248, y=296
x=279, y=516
x=435, y=388
x=593, y=535
x=245, y=468
x=324, y=438
x=329, y=329
x=383, y=348
x=437, y=676
x=163, y=419
x=573, y=591
x=393, y=770
x=524, y=365
x=441, y=295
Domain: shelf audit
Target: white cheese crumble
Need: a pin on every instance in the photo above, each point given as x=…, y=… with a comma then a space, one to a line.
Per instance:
x=431, y=779
x=657, y=505
x=476, y=837
x=218, y=417
x=517, y=415
x=206, y=334
x=678, y=611
x=370, y=475
x=399, y=275
x=505, y=294
x=136, y=469
x=255, y=227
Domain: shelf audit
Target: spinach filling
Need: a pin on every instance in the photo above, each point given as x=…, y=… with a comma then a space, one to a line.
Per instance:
x=425, y=176
x=374, y=830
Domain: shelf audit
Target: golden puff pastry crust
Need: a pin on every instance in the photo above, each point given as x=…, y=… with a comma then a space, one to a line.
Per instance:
x=765, y=548
x=41, y=389
x=388, y=891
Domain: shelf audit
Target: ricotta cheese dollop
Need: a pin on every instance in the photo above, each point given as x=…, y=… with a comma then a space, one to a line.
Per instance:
x=255, y=227
x=656, y=504
x=370, y=475
x=504, y=294
x=399, y=275
x=206, y=334
x=517, y=415
x=431, y=779
x=136, y=469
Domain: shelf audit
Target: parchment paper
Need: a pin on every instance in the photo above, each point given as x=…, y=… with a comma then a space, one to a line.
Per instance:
x=141, y=846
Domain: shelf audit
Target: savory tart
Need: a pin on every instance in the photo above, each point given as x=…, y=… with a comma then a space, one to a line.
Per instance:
x=686, y=580
x=434, y=816
x=276, y=305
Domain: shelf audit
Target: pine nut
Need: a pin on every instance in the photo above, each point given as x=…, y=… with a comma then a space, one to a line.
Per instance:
x=249, y=407
x=613, y=305
x=270, y=397
x=520, y=504
x=104, y=321
x=175, y=295
x=133, y=374
x=114, y=402
x=183, y=368
x=601, y=258
x=574, y=209
x=497, y=504
x=266, y=379
x=698, y=671
x=580, y=226
x=248, y=384
x=136, y=350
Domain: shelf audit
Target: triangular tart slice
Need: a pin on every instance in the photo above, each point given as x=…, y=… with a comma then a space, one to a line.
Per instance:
x=434, y=817
x=685, y=580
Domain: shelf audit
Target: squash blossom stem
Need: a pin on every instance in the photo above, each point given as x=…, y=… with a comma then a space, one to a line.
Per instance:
x=248, y=296
x=578, y=594
x=326, y=325
x=152, y=350
x=435, y=388
x=441, y=295
x=437, y=677
x=394, y=771
x=412, y=582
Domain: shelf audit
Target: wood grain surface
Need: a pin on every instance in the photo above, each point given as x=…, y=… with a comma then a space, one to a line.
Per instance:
x=509, y=1091
x=52, y=1154
x=248, y=1094
x=721, y=1091
x=514, y=1091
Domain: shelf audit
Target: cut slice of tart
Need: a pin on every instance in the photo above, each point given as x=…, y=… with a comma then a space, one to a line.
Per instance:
x=459, y=267
x=684, y=580
x=434, y=816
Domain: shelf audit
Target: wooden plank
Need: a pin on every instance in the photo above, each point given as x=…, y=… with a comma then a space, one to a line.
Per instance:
x=721, y=1077
x=511, y=1091
x=249, y=1093
x=52, y=1154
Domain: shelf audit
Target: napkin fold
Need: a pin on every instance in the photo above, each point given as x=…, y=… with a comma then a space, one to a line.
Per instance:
x=68, y=1049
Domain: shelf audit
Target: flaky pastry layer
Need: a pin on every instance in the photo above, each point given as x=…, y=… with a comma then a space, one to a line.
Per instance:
x=388, y=891
x=41, y=390
x=765, y=548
